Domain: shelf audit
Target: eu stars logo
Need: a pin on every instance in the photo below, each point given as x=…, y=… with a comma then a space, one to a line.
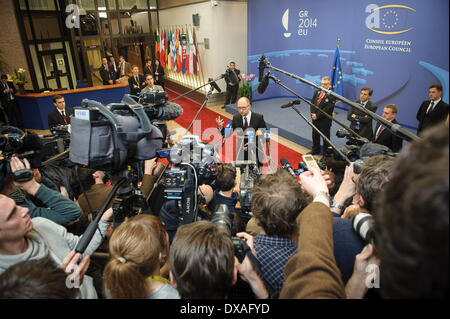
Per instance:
x=389, y=19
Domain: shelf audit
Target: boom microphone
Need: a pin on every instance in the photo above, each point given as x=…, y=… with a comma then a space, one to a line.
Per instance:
x=166, y=112
x=289, y=104
x=214, y=85
x=261, y=67
x=284, y=162
x=263, y=84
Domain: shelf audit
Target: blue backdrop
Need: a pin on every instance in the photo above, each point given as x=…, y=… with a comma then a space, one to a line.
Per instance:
x=396, y=48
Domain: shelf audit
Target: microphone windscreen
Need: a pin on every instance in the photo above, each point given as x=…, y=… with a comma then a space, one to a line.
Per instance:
x=170, y=111
x=263, y=85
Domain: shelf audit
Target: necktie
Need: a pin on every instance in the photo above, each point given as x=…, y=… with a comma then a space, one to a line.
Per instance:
x=380, y=130
x=430, y=108
x=322, y=94
x=64, y=116
x=245, y=123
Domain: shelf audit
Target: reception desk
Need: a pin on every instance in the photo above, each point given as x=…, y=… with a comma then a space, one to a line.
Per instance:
x=36, y=106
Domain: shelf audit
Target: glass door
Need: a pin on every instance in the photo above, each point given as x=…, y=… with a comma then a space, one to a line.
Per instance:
x=57, y=73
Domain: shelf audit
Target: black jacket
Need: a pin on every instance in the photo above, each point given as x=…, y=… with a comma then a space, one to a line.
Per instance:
x=55, y=118
x=141, y=84
x=159, y=79
x=327, y=105
x=387, y=138
x=107, y=75
x=231, y=79
x=439, y=113
x=4, y=96
x=365, y=121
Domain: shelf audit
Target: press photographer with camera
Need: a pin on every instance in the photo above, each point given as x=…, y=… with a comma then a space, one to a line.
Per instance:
x=312, y=272
x=203, y=265
x=277, y=200
x=171, y=211
x=57, y=207
x=361, y=189
x=232, y=80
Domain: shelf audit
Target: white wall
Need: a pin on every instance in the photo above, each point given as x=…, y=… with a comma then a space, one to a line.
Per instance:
x=225, y=25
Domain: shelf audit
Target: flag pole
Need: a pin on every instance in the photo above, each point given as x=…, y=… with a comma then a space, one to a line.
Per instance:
x=339, y=41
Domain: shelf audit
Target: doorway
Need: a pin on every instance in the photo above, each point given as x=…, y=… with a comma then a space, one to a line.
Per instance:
x=57, y=73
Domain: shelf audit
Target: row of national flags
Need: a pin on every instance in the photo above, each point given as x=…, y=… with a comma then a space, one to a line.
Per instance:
x=175, y=55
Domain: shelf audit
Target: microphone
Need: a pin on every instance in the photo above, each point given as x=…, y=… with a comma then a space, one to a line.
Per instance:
x=168, y=111
x=228, y=129
x=251, y=138
x=284, y=162
x=263, y=84
x=261, y=67
x=214, y=85
x=289, y=104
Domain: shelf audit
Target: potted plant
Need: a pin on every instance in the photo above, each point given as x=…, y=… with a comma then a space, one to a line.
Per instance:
x=246, y=88
x=19, y=78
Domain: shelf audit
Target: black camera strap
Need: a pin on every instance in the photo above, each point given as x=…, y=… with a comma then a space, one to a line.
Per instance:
x=255, y=262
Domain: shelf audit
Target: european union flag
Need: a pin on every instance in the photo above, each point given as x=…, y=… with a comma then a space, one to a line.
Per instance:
x=336, y=74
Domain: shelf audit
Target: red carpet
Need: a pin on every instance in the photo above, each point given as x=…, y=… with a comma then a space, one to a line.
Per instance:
x=206, y=128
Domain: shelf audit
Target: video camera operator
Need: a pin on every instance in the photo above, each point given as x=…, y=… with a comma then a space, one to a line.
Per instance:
x=170, y=212
x=203, y=266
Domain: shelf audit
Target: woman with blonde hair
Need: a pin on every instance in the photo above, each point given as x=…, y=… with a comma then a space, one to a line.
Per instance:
x=139, y=248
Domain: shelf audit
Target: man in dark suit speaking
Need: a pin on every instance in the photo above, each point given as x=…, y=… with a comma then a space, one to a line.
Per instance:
x=244, y=120
x=432, y=111
x=61, y=115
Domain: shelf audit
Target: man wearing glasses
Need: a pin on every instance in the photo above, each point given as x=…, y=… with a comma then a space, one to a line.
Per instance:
x=246, y=119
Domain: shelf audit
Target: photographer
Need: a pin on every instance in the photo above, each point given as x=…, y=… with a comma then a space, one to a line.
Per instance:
x=203, y=266
x=23, y=238
x=277, y=199
x=362, y=188
x=170, y=211
x=312, y=272
x=225, y=184
x=58, y=208
x=232, y=80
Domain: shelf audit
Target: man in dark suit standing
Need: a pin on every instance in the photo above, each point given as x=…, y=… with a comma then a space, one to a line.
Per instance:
x=148, y=67
x=136, y=81
x=232, y=80
x=360, y=122
x=159, y=74
x=326, y=103
x=113, y=65
x=383, y=135
x=432, y=111
x=124, y=67
x=9, y=102
x=244, y=120
x=107, y=73
x=60, y=115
